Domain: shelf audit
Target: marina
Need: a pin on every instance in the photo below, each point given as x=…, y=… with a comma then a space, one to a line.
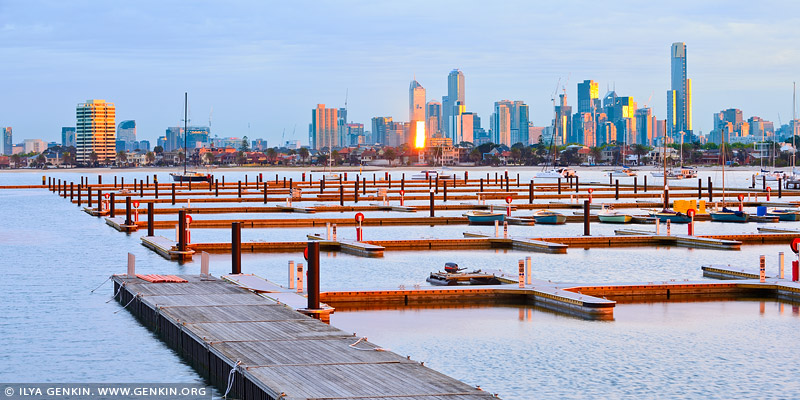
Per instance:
x=392, y=236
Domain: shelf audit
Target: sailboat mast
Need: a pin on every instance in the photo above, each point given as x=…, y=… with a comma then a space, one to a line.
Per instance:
x=794, y=107
x=185, y=130
x=722, y=150
x=664, y=163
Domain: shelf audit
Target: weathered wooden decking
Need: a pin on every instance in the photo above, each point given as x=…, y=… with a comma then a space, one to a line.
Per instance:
x=277, y=353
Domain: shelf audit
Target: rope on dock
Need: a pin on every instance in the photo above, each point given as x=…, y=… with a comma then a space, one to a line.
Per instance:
x=104, y=282
x=115, y=294
x=364, y=339
x=230, y=379
x=129, y=303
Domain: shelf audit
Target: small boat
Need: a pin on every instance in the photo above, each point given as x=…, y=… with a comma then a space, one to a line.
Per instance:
x=672, y=216
x=677, y=173
x=556, y=173
x=478, y=217
x=485, y=280
x=683, y=173
x=190, y=176
x=785, y=214
x=622, y=172
x=774, y=176
x=728, y=215
x=453, y=276
x=548, y=217
x=332, y=176
x=612, y=216
x=444, y=173
x=425, y=174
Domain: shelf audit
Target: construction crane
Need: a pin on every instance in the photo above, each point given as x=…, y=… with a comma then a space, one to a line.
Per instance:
x=649, y=98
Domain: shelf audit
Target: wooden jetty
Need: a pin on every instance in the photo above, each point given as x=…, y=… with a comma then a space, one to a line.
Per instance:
x=685, y=240
x=478, y=241
x=167, y=248
x=272, y=351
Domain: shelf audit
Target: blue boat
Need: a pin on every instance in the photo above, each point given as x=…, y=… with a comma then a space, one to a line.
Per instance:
x=727, y=215
x=785, y=214
x=672, y=216
x=478, y=217
x=548, y=217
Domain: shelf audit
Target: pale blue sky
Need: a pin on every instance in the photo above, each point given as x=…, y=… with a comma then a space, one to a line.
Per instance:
x=270, y=63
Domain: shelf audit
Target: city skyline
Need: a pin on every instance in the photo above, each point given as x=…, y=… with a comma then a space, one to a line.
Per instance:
x=261, y=75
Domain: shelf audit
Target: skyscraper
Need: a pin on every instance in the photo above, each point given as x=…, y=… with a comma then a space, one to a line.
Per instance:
x=562, y=124
x=380, y=126
x=520, y=119
x=416, y=102
x=68, y=136
x=588, y=96
x=341, y=128
x=466, y=127
x=455, y=98
x=645, y=126
x=683, y=90
x=126, y=131
x=174, y=137
x=95, y=131
x=8, y=143
x=433, y=116
x=324, y=129
x=501, y=122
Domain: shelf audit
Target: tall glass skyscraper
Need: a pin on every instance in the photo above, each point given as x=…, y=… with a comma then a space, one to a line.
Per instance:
x=455, y=98
x=682, y=107
x=8, y=143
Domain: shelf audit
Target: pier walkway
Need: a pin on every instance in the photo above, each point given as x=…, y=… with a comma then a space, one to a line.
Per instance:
x=272, y=351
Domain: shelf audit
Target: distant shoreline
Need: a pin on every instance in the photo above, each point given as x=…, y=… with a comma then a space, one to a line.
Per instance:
x=317, y=169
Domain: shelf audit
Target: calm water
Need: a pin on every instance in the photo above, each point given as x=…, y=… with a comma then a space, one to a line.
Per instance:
x=55, y=330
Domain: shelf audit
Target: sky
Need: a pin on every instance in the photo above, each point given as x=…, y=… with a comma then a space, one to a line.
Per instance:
x=257, y=68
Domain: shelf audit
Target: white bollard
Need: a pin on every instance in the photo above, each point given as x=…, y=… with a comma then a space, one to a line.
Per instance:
x=669, y=228
x=496, y=228
x=505, y=229
x=131, y=266
x=204, y=262
x=299, y=277
x=658, y=226
x=528, y=278
x=291, y=274
x=327, y=231
x=780, y=264
x=762, y=269
x=334, y=232
x=521, y=273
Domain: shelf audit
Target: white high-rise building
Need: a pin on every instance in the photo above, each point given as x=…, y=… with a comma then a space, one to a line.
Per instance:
x=95, y=131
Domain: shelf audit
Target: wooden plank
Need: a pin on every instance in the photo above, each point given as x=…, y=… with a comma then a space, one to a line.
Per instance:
x=239, y=313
